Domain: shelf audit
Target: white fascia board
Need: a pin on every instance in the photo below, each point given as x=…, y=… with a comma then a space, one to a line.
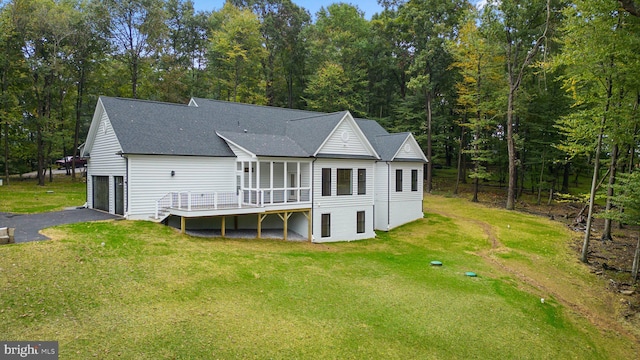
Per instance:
x=93, y=128
x=252, y=155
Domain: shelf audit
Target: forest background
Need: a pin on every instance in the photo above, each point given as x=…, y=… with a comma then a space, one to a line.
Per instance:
x=534, y=92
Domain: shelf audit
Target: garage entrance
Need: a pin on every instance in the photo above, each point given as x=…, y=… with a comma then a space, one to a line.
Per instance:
x=101, y=193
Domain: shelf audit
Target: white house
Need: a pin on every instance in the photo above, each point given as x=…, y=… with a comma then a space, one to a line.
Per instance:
x=221, y=165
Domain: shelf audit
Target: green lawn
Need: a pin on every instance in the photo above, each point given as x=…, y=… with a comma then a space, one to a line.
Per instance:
x=26, y=197
x=151, y=293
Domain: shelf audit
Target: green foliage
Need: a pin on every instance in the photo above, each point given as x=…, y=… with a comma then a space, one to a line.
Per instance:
x=236, y=56
x=627, y=200
x=480, y=85
x=599, y=62
x=411, y=67
x=330, y=90
x=338, y=52
x=281, y=24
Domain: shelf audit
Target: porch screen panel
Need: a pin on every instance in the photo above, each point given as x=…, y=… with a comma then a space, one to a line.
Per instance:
x=101, y=192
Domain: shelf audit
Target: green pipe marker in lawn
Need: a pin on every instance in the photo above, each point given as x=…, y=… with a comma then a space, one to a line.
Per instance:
x=470, y=274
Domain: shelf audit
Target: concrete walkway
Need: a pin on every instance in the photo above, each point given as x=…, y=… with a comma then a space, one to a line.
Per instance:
x=28, y=226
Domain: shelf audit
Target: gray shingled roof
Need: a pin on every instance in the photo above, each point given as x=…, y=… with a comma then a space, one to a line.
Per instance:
x=148, y=127
x=311, y=132
x=390, y=144
x=266, y=144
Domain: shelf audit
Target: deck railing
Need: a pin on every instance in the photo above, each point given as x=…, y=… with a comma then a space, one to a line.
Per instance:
x=191, y=200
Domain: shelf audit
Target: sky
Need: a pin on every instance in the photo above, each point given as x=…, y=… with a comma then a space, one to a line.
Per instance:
x=369, y=7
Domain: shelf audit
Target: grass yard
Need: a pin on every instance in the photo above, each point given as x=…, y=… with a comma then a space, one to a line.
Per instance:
x=26, y=197
x=138, y=290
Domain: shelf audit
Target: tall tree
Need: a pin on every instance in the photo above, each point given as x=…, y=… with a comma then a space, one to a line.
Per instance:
x=479, y=65
x=180, y=69
x=430, y=25
x=137, y=32
x=597, y=54
x=522, y=28
x=90, y=31
x=236, y=54
x=281, y=25
x=46, y=30
x=11, y=85
x=339, y=40
x=330, y=90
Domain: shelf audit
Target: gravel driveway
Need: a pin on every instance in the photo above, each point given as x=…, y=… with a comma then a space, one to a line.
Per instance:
x=28, y=226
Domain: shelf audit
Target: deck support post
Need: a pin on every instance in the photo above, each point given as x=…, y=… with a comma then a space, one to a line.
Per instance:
x=222, y=227
x=183, y=224
x=285, y=218
x=261, y=217
x=307, y=214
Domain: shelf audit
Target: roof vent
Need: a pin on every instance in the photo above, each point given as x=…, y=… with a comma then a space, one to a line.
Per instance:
x=245, y=131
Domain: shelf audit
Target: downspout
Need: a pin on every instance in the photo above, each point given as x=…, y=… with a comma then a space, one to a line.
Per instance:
x=86, y=185
x=388, y=195
x=313, y=188
x=126, y=186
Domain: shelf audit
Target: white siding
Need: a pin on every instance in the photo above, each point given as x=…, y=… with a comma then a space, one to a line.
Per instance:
x=242, y=154
x=346, y=139
x=343, y=208
x=150, y=178
x=405, y=206
x=298, y=223
x=382, y=196
x=409, y=150
x=103, y=160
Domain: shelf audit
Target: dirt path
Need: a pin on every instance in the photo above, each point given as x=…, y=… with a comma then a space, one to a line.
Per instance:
x=543, y=286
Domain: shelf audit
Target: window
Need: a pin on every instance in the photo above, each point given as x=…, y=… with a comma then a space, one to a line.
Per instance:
x=326, y=182
x=362, y=181
x=344, y=182
x=399, y=180
x=360, y=222
x=414, y=180
x=326, y=225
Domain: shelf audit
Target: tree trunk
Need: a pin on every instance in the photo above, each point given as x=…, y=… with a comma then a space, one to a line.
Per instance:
x=134, y=78
x=290, y=90
x=515, y=79
x=606, y=233
x=6, y=141
x=5, y=86
x=636, y=261
x=565, y=177
x=429, y=163
x=540, y=181
x=511, y=149
x=476, y=186
x=76, y=134
x=592, y=197
x=460, y=147
x=6, y=151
